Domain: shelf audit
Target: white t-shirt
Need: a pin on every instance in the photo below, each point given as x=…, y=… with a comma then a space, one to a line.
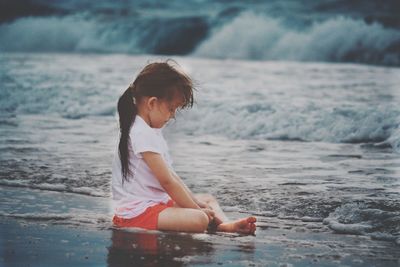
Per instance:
x=142, y=190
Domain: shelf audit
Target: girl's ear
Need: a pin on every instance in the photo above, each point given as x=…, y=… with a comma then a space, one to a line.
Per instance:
x=151, y=102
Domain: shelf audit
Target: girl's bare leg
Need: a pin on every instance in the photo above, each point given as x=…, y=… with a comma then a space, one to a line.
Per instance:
x=210, y=200
x=182, y=220
x=245, y=226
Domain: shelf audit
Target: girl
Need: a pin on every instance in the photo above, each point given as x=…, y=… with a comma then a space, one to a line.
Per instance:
x=147, y=193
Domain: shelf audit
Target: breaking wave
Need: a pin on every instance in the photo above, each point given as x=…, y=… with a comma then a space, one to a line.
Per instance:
x=257, y=31
x=251, y=36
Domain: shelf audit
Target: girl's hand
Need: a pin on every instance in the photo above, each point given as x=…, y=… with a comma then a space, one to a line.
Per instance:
x=203, y=205
x=210, y=213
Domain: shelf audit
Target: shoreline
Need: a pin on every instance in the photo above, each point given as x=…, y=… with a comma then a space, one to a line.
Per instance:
x=31, y=243
x=50, y=241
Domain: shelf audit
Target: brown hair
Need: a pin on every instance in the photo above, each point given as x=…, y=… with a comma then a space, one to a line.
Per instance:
x=162, y=80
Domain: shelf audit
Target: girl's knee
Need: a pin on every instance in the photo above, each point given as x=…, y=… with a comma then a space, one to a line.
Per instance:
x=202, y=222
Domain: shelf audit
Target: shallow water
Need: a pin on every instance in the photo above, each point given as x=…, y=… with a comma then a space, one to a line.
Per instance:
x=74, y=231
x=307, y=148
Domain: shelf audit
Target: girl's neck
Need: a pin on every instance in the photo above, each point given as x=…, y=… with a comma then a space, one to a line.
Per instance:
x=146, y=118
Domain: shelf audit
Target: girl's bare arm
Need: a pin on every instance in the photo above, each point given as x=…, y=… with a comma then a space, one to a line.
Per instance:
x=198, y=202
x=175, y=188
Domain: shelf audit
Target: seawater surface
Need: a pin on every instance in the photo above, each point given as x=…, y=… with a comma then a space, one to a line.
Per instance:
x=310, y=148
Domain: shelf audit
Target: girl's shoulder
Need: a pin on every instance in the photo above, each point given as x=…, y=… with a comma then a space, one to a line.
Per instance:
x=145, y=138
x=140, y=126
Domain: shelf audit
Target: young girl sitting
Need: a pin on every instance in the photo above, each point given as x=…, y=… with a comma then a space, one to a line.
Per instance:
x=147, y=193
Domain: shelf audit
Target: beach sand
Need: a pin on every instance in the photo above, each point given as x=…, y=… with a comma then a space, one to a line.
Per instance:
x=51, y=240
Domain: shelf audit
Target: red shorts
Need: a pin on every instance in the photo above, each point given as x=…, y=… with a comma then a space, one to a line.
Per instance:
x=147, y=220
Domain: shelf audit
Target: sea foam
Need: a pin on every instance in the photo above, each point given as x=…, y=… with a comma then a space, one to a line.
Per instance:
x=377, y=220
x=257, y=36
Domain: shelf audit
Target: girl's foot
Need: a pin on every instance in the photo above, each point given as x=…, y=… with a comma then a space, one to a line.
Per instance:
x=242, y=226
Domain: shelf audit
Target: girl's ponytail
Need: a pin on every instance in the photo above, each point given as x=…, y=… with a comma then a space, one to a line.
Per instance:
x=127, y=111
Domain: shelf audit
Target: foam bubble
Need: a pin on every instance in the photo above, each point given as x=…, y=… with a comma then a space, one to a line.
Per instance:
x=354, y=228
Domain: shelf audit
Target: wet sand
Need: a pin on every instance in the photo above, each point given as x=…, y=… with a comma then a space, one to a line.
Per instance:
x=55, y=241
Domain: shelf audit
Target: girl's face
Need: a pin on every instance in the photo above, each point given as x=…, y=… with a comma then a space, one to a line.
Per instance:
x=162, y=111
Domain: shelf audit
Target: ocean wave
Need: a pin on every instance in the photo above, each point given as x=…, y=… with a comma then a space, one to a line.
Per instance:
x=38, y=216
x=336, y=103
x=257, y=36
x=76, y=218
x=70, y=33
x=377, y=125
x=378, y=220
x=84, y=33
x=94, y=192
x=234, y=32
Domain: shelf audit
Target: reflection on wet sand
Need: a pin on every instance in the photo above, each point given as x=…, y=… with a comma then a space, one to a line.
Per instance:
x=156, y=249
